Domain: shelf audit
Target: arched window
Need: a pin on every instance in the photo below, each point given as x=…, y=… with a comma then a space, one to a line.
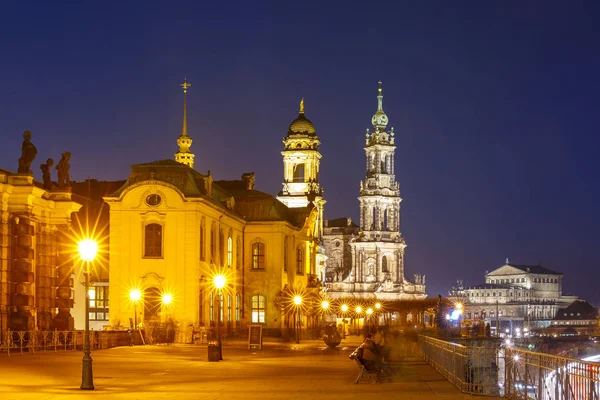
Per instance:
x=238, y=253
x=299, y=173
x=257, y=306
x=221, y=307
x=213, y=244
x=221, y=248
x=258, y=255
x=229, y=251
x=202, y=243
x=229, y=311
x=384, y=264
x=237, y=307
x=153, y=240
x=285, y=253
x=300, y=262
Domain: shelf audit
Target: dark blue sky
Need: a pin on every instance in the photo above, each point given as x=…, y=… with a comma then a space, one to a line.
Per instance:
x=494, y=104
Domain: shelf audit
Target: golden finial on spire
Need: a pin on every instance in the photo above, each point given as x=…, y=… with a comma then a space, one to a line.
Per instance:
x=302, y=106
x=185, y=85
x=380, y=89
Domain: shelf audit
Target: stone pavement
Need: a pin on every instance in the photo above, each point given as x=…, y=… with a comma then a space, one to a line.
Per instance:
x=279, y=371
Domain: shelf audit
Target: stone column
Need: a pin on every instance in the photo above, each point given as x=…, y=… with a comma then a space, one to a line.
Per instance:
x=45, y=268
x=23, y=300
x=393, y=156
x=5, y=239
x=377, y=264
x=354, y=266
x=64, y=270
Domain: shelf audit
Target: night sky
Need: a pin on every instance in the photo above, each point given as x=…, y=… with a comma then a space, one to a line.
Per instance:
x=494, y=105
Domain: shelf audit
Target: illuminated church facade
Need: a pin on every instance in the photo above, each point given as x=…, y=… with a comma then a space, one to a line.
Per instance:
x=366, y=261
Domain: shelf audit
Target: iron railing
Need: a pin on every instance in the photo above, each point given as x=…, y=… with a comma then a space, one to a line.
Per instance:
x=540, y=376
x=473, y=369
x=44, y=341
x=495, y=370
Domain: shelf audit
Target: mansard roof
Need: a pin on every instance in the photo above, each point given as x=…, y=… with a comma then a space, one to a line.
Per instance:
x=580, y=309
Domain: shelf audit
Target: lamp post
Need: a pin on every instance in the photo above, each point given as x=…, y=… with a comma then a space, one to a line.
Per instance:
x=87, y=252
x=135, y=296
x=219, y=282
x=344, y=309
x=368, y=318
x=297, y=303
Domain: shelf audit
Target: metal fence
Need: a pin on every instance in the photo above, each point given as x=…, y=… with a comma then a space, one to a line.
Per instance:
x=496, y=370
x=43, y=341
x=541, y=376
x=473, y=369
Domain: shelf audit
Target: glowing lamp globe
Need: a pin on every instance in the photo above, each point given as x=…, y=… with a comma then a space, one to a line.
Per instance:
x=87, y=249
x=167, y=298
x=297, y=300
x=378, y=305
x=135, y=295
x=344, y=308
x=325, y=305
x=219, y=281
x=358, y=309
x=369, y=311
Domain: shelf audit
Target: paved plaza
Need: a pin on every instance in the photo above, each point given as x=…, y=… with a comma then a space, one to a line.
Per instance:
x=279, y=371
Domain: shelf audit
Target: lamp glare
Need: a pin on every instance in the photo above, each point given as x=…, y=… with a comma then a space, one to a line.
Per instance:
x=87, y=249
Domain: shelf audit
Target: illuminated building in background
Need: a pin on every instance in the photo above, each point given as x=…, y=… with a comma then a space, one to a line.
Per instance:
x=367, y=261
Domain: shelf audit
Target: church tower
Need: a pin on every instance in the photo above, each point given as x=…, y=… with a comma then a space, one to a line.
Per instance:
x=184, y=155
x=301, y=160
x=379, y=192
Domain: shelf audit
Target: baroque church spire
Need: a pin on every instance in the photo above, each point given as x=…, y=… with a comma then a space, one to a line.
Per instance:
x=184, y=155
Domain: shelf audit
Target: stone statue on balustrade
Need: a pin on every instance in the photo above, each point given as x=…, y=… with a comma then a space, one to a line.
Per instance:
x=47, y=179
x=28, y=153
x=63, y=168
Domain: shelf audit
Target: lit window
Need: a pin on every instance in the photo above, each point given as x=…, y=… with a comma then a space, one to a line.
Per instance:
x=221, y=248
x=229, y=251
x=202, y=244
x=98, y=303
x=229, y=310
x=238, y=253
x=258, y=255
x=258, y=309
x=153, y=240
x=299, y=262
x=237, y=307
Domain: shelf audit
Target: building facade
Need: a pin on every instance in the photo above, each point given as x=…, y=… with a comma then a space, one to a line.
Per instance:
x=367, y=261
x=515, y=296
x=37, y=252
x=172, y=229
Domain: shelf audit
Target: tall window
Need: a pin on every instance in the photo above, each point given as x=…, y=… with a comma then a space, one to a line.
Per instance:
x=221, y=248
x=237, y=307
x=229, y=310
x=153, y=240
x=384, y=264
x=221, y=308
x=299, y=262
x=299, y=173
x=285, y=253
x=213, y=248
x=211, y=308
x=238, y=253
x=229, y=251
x=258, y=255
x=201, y=307
x=202, y=244
x=258, y=309
x=98, y=303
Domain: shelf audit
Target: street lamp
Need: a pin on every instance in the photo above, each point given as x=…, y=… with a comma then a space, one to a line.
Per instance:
x=135, y=295
x=344, y=311
x=297, y=303
x=219, y=281
x=87, y=252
